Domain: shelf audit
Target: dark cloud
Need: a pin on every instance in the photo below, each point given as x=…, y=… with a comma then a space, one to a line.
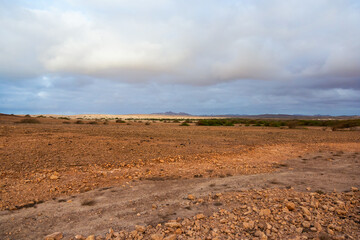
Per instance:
x=138, y=56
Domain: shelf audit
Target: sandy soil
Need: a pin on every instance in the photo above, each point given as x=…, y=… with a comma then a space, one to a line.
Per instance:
x=85, y=178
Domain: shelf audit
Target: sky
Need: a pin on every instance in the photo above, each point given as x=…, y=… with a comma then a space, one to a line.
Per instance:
x=200, y=56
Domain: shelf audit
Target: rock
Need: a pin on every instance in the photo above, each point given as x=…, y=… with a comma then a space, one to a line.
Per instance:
x=154, y=206
x=318, y=226
x=54, y=177
x=306, y=224
x=290, y=206
x=178, y=231
x=191, y=197
x=140, y=228
x=340, y=212
x=306, y=211
x=265, y=212
x=354, y=189
x=79, y=237
x=299, y=230
x=171, y=237
x=249, y=225
x=91, y=237
x=157, y=237
x=173, y=224
x=223, y=221
x=200, y=216
x=261, y=235
x=54, y=236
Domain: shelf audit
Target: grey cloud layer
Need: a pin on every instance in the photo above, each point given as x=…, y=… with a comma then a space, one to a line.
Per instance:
x=205, y=42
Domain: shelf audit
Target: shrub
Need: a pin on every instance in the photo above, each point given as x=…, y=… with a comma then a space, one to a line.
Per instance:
x=120, y=121
x=29, y=120
x=292, y=124
x=184, y=124
x=66, y=122
x=93, y=122
x=79, y=122
x=147, y=123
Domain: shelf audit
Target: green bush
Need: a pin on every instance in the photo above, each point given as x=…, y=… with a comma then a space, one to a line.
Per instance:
x=184, y=124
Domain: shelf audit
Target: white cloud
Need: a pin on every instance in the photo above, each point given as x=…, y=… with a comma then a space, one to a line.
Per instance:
x=204, y=42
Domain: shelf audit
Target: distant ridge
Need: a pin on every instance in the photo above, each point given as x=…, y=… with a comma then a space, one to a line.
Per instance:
x=173, y=114
x=285, y=116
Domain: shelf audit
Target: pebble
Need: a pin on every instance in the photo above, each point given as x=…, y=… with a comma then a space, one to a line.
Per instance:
x=173, y=224
x=306, y=224
x=290, y=206
x=54, y=236
x=191, y=197
x=265, y=212
x=91, y=237
x=140, y=228
x=157, y=237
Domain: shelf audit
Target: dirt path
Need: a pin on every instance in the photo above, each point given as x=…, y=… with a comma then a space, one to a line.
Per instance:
x=153, y=202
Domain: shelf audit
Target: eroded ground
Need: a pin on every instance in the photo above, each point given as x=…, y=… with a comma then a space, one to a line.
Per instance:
x=93, y=177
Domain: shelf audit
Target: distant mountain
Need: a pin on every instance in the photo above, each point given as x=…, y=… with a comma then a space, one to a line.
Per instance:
x=173, y=114
x=284, y=116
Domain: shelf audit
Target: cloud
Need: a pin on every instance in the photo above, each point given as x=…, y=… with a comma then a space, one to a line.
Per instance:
x=203, y=57
x=205, y=42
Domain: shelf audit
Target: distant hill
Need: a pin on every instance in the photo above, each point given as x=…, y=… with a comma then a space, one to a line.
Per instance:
x=284, y=116
x=173, y=114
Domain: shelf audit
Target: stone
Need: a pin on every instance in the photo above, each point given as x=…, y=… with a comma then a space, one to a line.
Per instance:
x=140, y=228
x=318, y=226
x=290, y=206
x=354, y=189
x=223, y=221
x=79, y=237
x=91, y=237
x=191, y=197
x=54, y=177
x=200, y=216
x=157, y=237
x=306, y=224
x=306, y=211
x=341, y=212
x=265, y=212
x=261, y=235
x=54, y=236
x=249, y=225
x=173, y=224
x=171, y=237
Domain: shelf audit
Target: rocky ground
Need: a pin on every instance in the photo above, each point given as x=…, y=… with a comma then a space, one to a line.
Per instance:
x=165, y=181
x=266, y=214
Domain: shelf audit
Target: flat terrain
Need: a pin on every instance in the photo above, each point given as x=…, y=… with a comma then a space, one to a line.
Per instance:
x=58, y=176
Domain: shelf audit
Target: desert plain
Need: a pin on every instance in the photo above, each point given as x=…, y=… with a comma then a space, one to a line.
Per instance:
x=149, y=179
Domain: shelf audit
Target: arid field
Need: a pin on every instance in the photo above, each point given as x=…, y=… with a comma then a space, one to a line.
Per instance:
x=147, y=179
